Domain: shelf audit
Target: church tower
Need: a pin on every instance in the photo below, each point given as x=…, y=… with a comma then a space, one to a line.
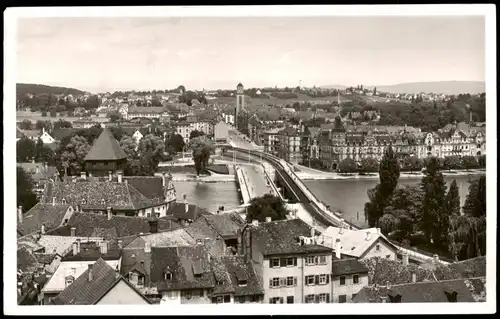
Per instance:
x=240, y=101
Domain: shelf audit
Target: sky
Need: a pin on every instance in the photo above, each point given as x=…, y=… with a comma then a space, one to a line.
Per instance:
x=108, y=54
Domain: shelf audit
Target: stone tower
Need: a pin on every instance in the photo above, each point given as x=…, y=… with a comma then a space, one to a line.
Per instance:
x=240, y=102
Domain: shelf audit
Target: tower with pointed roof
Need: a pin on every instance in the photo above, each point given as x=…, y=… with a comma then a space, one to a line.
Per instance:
x=105, y=155
x=240, y=100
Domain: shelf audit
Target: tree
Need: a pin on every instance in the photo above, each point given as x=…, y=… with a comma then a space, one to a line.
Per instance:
x=43, y=153
x=150, y=153
x=482, y=161
x=202, y=149
x=468, y=232
x=347, y=165
x=452, y=201
x=176, y=142
x=25, y=196
x=47, y=125
x=195, y=134
x=129, y=146
x=70, y=157
x=25, y=150
x=434, y=189
x=413, y=163
x=266, y=206
x=369, y=165
x=389, y=172
x=452, y=162
x=114, y=116
x=62, y=124
x=25, y=125
x=181, y=89
x=375, y=91
x=470, y=162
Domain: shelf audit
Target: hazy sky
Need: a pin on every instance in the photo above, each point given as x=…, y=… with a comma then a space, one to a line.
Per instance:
x=107, y=54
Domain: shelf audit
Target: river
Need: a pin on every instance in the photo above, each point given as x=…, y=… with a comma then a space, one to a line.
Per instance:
x=209, y=195
x=350, y=196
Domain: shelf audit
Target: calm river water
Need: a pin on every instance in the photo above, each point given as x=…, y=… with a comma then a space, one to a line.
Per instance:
x=350, y=196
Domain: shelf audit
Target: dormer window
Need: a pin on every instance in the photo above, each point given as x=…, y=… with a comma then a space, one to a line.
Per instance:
x=64, y=201
x=69, y=280
x=103, y=201
x=242, y=282
x=167, y=275
x=395, y=299
x=84, y=201
x=451, y=296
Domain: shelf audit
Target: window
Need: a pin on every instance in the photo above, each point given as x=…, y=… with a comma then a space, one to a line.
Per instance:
x=310, y=260
x=388, y=256
x=323, y=298
x=289, y=299
x=241, y=299
x=342, y=280
x=322, y=260
x=377, y=247
x=355, y=279
x=291, y=281
x=227, y=298
x=342, y=299
x=69, y=280
x=291, y=261
x=140, y=280
x=186, y=294
x=282, y=282
x=275, y=282
x=255, y=298
x=275, y=300
x=309, y=280
x=168, y=275
x=322, y=279
x=275, y=262
x=310, y=299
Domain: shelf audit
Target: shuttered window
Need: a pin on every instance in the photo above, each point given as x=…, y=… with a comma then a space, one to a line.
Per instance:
x=282, y=262
x=342, y=280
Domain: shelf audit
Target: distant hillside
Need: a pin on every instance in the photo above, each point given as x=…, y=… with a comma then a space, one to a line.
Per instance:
x=334, y=86
x=443, y=87
x=23, y=88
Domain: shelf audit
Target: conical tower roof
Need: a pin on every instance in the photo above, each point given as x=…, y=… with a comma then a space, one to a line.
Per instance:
x=105, y=148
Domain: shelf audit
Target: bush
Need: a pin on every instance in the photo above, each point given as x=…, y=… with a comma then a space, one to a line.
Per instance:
x=347, y=166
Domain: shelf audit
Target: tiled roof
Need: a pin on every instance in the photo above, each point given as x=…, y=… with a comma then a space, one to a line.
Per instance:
x=382, y=270
x=61, y=244
x=354, y=242
x=92, y=251
x=347, y=267
x=44, y=258
x=417, y=292
x=85, y=292
x=131, y=260
x=30, y=133
x=470, y=268
x=26, y=261
x=51, y=216
x=178, y=237
x=43, y=172
x=150, y=186
x=226, y=225
x=61, y=133
x=178, y=210
x=238, y=268
x=282, y=237
x=179, y=261
x=147, y=109
x=99, y=195
x=105, y=148
x=96, y=225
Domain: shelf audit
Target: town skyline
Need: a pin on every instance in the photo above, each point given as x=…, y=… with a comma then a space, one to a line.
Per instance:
x=159, y=53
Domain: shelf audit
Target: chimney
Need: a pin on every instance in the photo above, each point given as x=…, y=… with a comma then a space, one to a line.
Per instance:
x=436, y=258
x=153, y=225
x=42, y=230
x=338, y=248
x=413, y=277
x=90, y=272
x=109, y=213
x=405, y=258
x=45, y=166
x=147, y=247
x=368, y=235
x=164, y=179
x=104, y=247
x=313, y=231
x=110, y=175
x=240, y=241
x=388, y=284
x=54, y=201
x=268, y=219
x=83, y=175
x=120, y=244
x=37, y=169
x=78, y=244
x=120, y=176
x=20, y=214
x=73, y=231
x=255, y=222
x=75, y=249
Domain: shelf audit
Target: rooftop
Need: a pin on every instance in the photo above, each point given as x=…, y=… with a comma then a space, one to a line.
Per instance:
x=347, y=267
x=51, y=216
x=105, y=148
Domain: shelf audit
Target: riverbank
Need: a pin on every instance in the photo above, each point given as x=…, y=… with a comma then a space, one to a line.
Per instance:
x=338, y=176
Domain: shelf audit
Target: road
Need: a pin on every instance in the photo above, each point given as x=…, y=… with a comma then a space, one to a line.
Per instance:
x=256, y=180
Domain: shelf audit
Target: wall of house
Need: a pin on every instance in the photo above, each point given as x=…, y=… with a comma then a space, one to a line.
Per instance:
x=247, y=299
x=195, y=298
x=349, y=288
x=48, y=296
x=384, y=251
x=300, y=271
x=122, y=294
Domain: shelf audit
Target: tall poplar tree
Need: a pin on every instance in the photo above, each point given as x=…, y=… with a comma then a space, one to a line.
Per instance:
x=434, y=189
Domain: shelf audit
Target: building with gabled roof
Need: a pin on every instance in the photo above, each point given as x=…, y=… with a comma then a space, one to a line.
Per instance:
x=105, y=155
x=100, y=284
x=348, y=277
x=43, y=217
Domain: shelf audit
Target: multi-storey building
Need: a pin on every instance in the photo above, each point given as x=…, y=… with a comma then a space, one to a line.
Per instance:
x=271, y=141
x=289, y=145
x=294, y=263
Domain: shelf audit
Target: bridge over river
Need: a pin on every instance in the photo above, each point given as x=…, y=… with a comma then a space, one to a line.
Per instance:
x=297, y=192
